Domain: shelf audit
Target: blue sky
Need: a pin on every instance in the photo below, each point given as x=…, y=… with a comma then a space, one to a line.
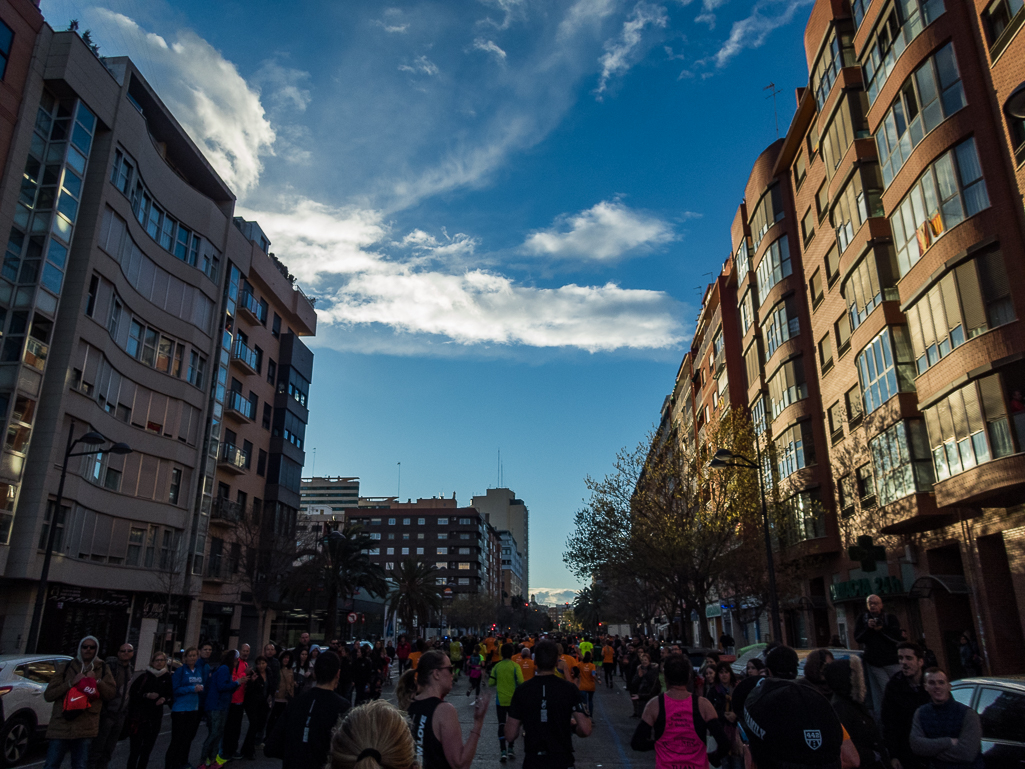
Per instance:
x=507, y=210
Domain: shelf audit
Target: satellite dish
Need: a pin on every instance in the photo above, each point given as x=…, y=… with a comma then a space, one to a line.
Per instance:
x=1015, y=105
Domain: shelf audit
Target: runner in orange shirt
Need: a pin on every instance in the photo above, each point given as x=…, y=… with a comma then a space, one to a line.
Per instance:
x=588, y=679
x=608, y=662
x=526, y=664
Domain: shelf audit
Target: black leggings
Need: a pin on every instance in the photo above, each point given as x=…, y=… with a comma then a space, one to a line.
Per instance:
x=503, y=712
x=475, y=685
x=184, y=725
x=142, y=738
x=610, y=672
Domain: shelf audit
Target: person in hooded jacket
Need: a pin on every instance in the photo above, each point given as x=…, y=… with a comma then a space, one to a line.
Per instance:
x=187, y=685
x=149, y=693
x=814, y=666
x=218, y=697
x=846, y=680
x=75, y=731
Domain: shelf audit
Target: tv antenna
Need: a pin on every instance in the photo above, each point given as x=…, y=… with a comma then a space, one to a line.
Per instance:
x=775, y=114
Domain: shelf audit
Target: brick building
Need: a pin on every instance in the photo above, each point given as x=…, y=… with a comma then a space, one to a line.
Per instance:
x=879, y=266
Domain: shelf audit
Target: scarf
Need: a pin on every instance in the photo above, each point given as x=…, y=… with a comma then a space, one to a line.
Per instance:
x=154, y=672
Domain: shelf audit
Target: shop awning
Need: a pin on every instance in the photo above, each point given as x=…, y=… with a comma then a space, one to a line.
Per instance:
x=954, y=584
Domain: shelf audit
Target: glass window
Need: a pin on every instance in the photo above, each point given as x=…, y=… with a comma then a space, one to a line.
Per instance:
x=951, y=189
x=884, y=367
x=768, y=211
x=968, y=427
x=795, y=449
x=870, y=283
x=758, y=415
x=826, y=353
x=774, y=266
x=787, y=386
x=746, y=313
x=838, y=53
x=901, y=24
x=1002, y=713
x=901, y=462
x=859, y=200
x=781, y=325
x=743, y=259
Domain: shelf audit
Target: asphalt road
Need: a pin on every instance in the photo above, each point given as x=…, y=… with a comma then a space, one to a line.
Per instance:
x=608, y=747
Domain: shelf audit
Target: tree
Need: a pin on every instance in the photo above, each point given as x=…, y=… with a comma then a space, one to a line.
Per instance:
x=416, y=593
x=588, y=606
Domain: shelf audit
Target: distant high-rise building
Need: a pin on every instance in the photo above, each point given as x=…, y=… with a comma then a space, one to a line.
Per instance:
x=334, y=492
x=507, y=513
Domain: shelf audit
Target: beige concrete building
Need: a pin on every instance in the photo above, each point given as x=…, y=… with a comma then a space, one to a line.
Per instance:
x=507, y=513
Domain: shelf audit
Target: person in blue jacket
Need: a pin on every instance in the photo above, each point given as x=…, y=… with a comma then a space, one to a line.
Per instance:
x=188, y=684
x=218, y=697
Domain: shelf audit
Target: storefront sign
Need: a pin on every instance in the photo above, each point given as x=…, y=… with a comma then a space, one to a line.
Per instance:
x=856, y=589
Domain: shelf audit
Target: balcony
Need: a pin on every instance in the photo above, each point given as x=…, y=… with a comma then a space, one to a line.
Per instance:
x=219, y=569
x=249, y=304
x=239, y=408
x=223, y=509
x=233, y=459
x=245, y=356
x=720, y=361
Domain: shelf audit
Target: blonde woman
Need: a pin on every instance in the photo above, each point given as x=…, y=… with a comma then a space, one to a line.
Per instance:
x=372, y=736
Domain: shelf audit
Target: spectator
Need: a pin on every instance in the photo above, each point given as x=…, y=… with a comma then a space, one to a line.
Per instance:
x=814, y=665
x=89, y=677
x=402, y=653
x=372, y=736
x=187, y=684
x=237, y=708
x=846, y=680
x=216, y=702
x=971, y=660
x=284, y=693
x=879, y=634
x=782, y=662
x=755, y=667
x=905, y=693
x=115, y=709
x=257, y=704
x=148, y=695
x=944, y=732
x=302, y=735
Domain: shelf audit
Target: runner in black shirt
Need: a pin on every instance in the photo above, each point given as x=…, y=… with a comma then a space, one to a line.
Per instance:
x=549, y=710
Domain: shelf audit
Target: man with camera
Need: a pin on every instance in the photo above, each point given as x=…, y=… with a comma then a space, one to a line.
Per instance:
x=879, y=634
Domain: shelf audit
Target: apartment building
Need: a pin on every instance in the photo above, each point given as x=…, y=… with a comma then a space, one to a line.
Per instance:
x=879, y=264
x=505, y=512
x=458, y=541
x=332, y=492
x=120, y=288
x=512, y=568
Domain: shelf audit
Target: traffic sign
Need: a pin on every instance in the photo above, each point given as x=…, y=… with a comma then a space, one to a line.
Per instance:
x=352, y=618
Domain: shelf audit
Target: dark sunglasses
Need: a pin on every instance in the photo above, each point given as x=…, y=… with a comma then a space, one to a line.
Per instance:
x=88, y=646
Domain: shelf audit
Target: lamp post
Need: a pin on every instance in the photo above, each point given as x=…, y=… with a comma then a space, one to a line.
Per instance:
x=91, y=438
x=726, y=458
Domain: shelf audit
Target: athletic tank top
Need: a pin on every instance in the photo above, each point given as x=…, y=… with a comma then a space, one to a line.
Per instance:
x=429, y=752
x=680, y=746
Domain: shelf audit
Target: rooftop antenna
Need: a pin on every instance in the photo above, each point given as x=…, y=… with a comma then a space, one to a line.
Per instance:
x=398, y=491
x=313, y=467
x=498, y=480
x=775, y=115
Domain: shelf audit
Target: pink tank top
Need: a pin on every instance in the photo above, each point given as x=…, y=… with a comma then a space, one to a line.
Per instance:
x=679, y=747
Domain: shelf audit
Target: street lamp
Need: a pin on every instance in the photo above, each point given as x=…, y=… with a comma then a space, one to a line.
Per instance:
x=726, y=458
x=91, y=438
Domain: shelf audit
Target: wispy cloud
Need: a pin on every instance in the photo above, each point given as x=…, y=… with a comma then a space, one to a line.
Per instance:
x=512, y=10
x=421, y=65
x=554, y=595
x=752, y=31
x=708, y=8
x=489, y=46
x=603, y=233
x=221, y=112
x=342, y=254
x=622, y=51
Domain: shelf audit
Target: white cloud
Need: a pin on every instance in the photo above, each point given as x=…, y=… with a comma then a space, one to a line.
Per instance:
x=752, y=31
x=208, y=96
x=340, y=253
x=283, y=88
x=421, y=65
x=621, y=52
x=554, y=595
x=512, y=10
x=708, y=8
x=603, y=232
x=489, y=46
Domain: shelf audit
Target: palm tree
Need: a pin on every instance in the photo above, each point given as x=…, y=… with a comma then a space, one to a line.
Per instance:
x=587, y=606
x=416, y=592
x=342, y=566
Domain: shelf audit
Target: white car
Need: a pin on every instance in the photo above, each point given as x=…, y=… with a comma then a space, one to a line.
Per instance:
x=24, y=714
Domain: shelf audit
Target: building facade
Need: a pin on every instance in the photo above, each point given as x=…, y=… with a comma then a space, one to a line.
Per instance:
x=512, y=568
x=505, y=512
x=878, y=259
x=332, y=492
x=120, y=287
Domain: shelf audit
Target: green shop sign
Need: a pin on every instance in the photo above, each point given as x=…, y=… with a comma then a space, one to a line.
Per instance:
x=856, y=589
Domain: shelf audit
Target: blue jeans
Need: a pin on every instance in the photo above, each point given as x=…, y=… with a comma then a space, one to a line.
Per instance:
x=79, y=749
x=587, y=700
x=215, y=722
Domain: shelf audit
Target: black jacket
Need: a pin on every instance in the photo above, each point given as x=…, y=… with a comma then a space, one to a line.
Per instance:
x=880, y=644
x=302, y=736
x=900, y=701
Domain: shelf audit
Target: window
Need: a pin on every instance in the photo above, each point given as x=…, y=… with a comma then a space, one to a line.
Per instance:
x=261, y=463
x=835, y=417
x=405, y=551
x=176, y=483
x=848, y=124
x=799, y=170
x=901, y=462
x=752, y=364
x=808, y=225
x=58, y=537
x=275, y=328
x=815, y=289
x=826, y=353
x=421, y=521
x=802, y=519
x=746, y=313
x=136, y=539
x=866, y=484
x=870, y=283
x=405, y=536
x=846, y=489
x=743, y=259
x=966, y=302
x=843, y=334
x=405, y=521
x=443, y=521
x=902, y=24
x=950, y=190
x=884, y=367
x=442, y=551
x=838, y=53
x=813, y=140
x=420, y=536
x=419, y=551
x=856, y=204
x=768, y=211
x=996, y=18
x=822, y=200
x=795, y=449
x=833, y=265
x=781, y=325
x=858, y=8
x=442, y=535
x=968, y=427
x=464, y=566
x=855, y=406
x=787, y=386
x=774, y=266
x=464, y=580
x=1002, y=712
x=465, y=522
x=931, y=94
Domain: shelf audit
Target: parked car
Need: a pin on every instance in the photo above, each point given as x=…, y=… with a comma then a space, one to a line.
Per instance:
x=24, y=714
x=758, y=651
x=1000, y=703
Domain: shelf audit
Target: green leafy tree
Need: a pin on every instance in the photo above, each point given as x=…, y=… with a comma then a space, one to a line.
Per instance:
x=416, y=592
x=588, y=606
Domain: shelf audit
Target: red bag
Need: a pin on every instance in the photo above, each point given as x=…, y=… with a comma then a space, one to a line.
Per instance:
x=80, y=696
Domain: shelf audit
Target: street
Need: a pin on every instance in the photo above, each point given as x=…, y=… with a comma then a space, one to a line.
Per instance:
x=608, y=747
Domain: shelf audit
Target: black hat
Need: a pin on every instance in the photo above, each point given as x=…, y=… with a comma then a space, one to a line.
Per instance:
x=782, y=662
x=791, y=725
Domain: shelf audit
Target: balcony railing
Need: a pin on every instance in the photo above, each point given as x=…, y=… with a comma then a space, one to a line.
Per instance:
x=240, y=405
x=224, y=509
x=241, y=352
x=234, y=457
x=250, y=304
